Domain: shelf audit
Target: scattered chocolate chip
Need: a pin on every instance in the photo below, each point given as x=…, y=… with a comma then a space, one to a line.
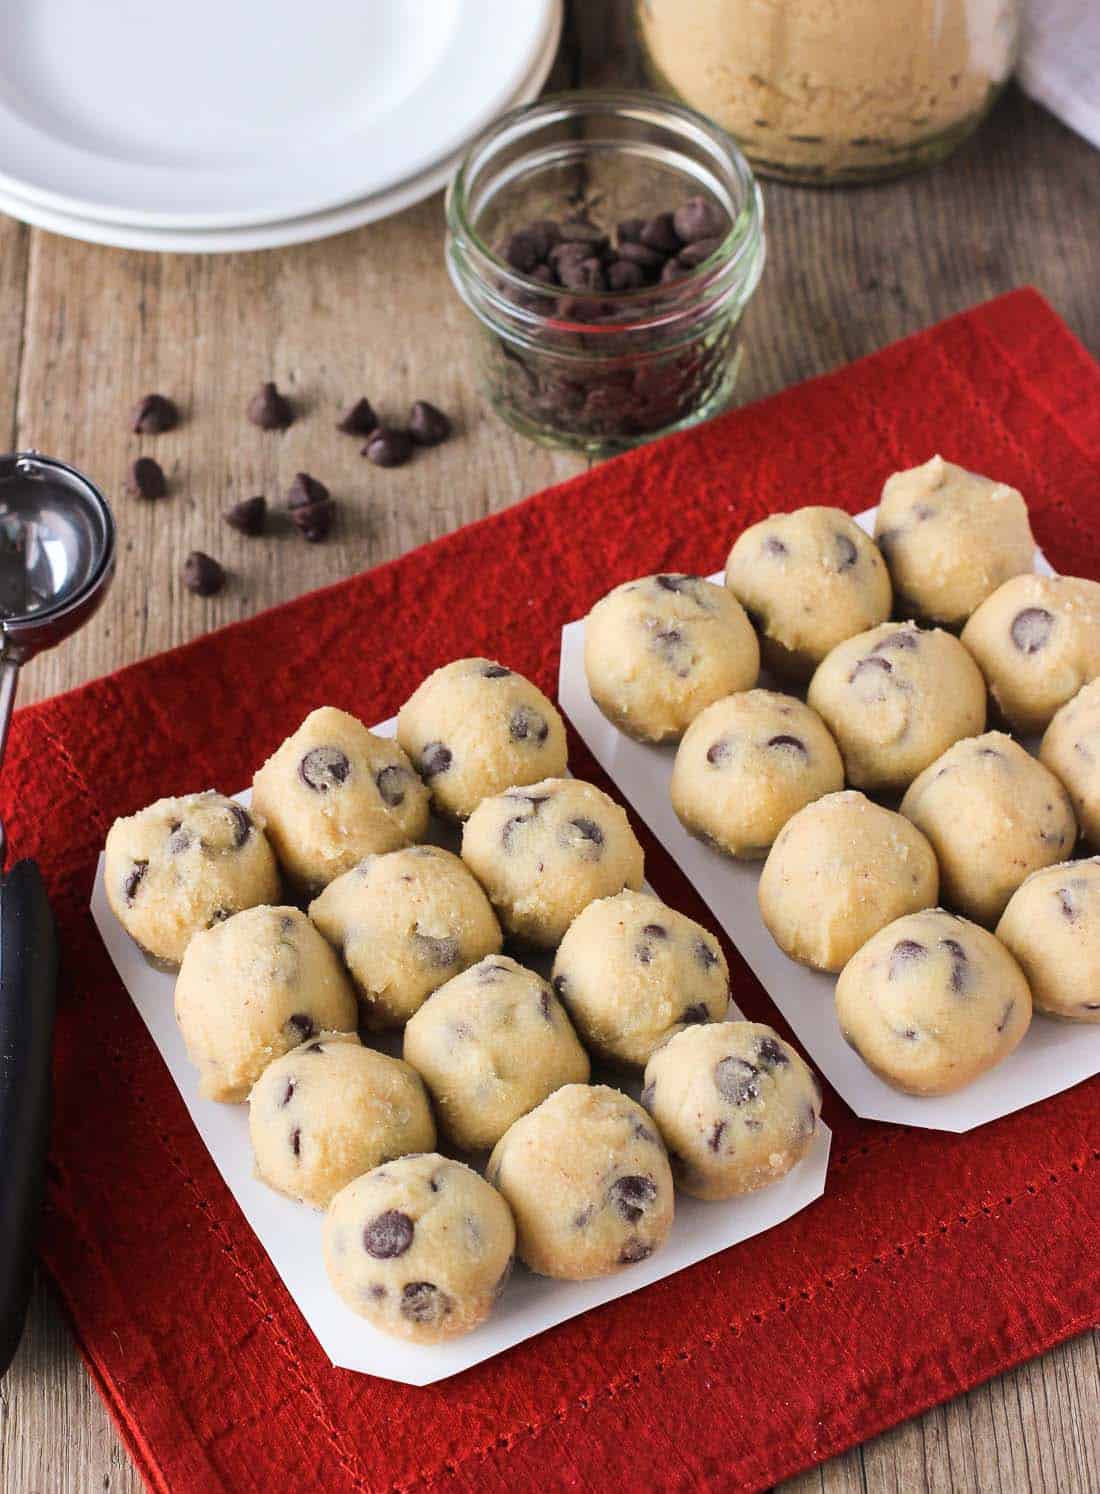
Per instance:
x=153, y=415
x=546, y=1005
x=773, y=547
x=634, y=1251
x=714, y=1141
x=242, y=824
x=1010, y=1007
x=528, y=725
x=388, y=447
x=847, y=550
x=296, y=1141
x=179, y=840
x=146, y=479
x=643, y=1133
x=435, y=759
x=442, y=952
x=905, y=952
x=655, y=931
x=787, y=743
x=559, y=984
x=427, y=425
x=1031, y=629
x=249, y=516
x=960, y=975
x=719, y=753
x=904, y=638
x=871, y=672
x=423, y=1302
x=588, y=830
x=301, y=1024
x=324, y=768
x=288, y=1094
x=694, y=1014
x=737, y=1080
x=359, y=420
x=771, y=1055
x=1068, y=903
x=631, y=1196
x=699, y=218
x=391, y=783
x=388, y=1235
x=269, y=409
x=583, y=1217
x=133, y=880
x=202, y=574
x=705, y=955
x=311, y=508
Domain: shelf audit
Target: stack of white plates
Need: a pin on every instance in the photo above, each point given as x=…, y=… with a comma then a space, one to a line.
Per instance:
x=216, y=125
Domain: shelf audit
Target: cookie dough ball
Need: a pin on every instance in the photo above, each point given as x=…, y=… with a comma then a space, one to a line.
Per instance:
x=808, y=580
x=491, y=1045
x=895, y=698
x=1071, y=750
x=330, y=1110
x=736, y=1106
x=1052, y=926
x=181, y=865
x=475, y=728
x=588, y=1181
x=334, y=793
x=545, y=852
x=405, y=923
x=657, y=651
x=252, y=988
x=840, y=870
x=632, y=971
x=1037, y=641
x=746, y=764
x=950, y=538
x=931, y=1002
x=994, y=815
x=420, y=1247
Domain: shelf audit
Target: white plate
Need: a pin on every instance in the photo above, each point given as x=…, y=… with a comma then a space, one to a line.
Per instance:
x=291, y=1233
x=1052, y=1057
x=208, y=114
x=292, y=230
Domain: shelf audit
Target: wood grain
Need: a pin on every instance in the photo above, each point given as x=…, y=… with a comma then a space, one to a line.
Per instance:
x=85, y=331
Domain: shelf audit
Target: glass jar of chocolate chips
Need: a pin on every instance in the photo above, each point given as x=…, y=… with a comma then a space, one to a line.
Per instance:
x=607, y=245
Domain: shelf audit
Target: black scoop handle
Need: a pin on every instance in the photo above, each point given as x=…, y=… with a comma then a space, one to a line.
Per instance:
x=28, y=981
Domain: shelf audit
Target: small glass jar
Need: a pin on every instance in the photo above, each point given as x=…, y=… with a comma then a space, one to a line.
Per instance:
x=824, y=91
x=588, y=366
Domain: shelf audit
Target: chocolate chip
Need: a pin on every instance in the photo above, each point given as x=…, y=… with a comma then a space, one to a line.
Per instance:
x=1068, y=903
x=202, y=574
x=423, y=1302
x=242, y=824
x=693, y=255
x=546, y=1005
x=870, y=671
x=788, y=744
x=1031, y=629
x=391, y=785
x=695, y=1014
x=719, y=753
x=559, y=984
x=905, y=952
x=146, y=479
x=674, y=269
x=624, y=276
x=771, y=1055
x=388, y=1235
x=773, y=547
x=427, y=425
x=847, y=550
x=705, y=955
x=904, y=638
x=582, y=275
x=324, y=768
x=660, y=233
x=133, y=880
x=288, y=1094
x=583, y=1217
x=495, y=672
x=269, y=410
x=522, y=251
x=714, y=1141
x=631, y=1195
x=629, y=230
x=301, y=1025
x=311, y=508
x=959, y=972
x=655, y=931
x=588, y=830
x=435, y=759
x=737, y=1080
x=153, y=415
x=527, y=725
x=442, y=952
x=179, y=840
x=634, y=1251
x=359, y=420
x=388, y=447
x=699, y=218
x=249, y=516
x=1010, y=1007
x=296, y=1141
x=649, y=261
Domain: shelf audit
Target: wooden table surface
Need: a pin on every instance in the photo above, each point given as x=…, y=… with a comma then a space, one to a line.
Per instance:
x=84, y=331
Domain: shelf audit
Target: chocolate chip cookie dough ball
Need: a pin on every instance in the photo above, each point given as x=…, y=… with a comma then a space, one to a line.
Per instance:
x=420, y=1247
x=895, y=698
x=658, y=650
x=183, y=864
x=588, y=1182
x=334, y=793
x=994, y=815
x=1052, y=926
x=746, y=764
x=932, y=1002
x=736, y=1106
x=632, y=971
x=545, y=852
x=950, y=538
x=330, y=1110
x=475, y=728
x=840, y=870
x=491, y=1045
x=808, y=580
x=1037, y=641
x=405, y=923
x=1071, y=750
x=252, y=988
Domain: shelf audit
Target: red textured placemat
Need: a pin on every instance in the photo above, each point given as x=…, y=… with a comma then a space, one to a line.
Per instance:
x=932, y=1262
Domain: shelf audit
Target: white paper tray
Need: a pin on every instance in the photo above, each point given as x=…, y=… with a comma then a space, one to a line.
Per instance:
x=291, y=1233
x=1052, y=1057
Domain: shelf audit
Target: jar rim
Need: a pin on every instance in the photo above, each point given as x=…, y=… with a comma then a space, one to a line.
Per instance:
x=742, y=243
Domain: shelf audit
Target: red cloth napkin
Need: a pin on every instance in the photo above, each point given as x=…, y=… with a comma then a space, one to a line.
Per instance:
x=932, y=1262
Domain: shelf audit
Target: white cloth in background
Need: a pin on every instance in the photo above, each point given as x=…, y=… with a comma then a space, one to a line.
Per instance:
x=1060, y=61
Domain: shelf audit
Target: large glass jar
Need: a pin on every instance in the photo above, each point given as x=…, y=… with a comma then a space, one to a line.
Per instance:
x=834, y=90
